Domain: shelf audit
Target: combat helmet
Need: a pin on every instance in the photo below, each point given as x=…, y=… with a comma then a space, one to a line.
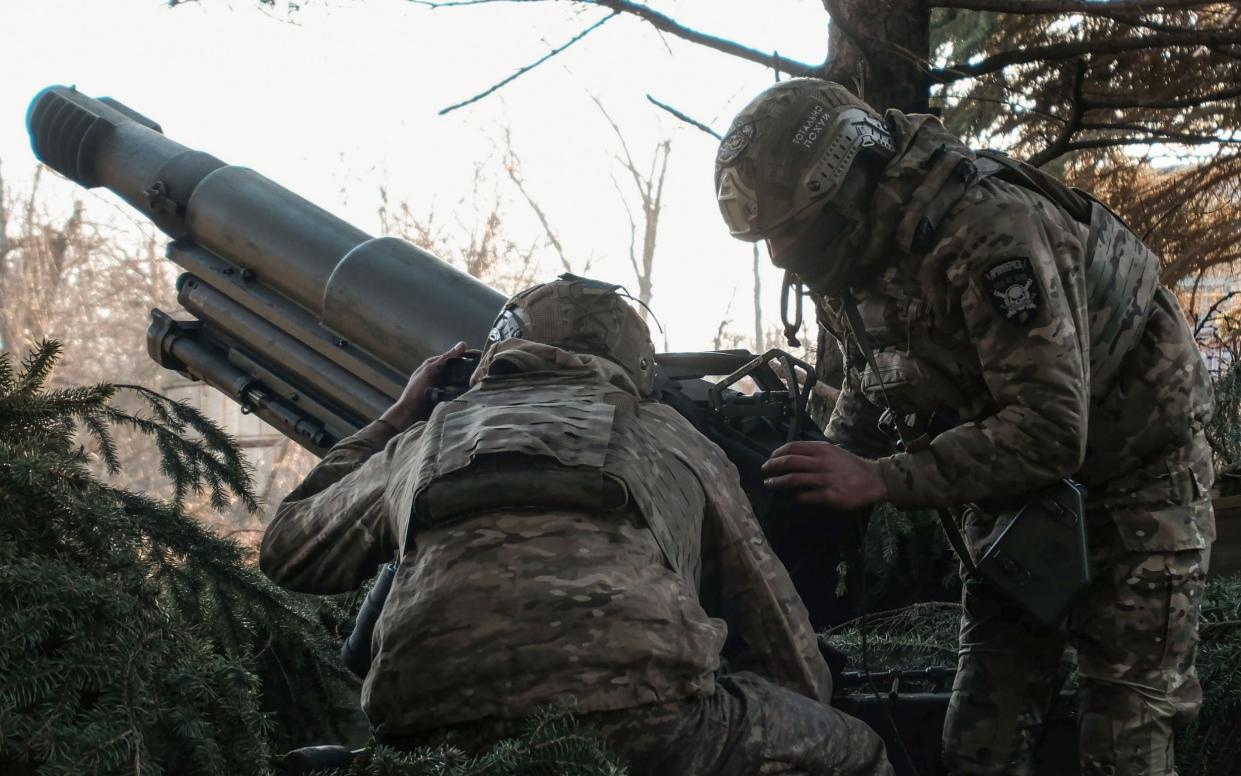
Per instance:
x=583, y=316
x=783, y=171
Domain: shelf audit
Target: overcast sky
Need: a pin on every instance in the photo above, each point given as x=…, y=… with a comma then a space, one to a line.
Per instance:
x=341, y=97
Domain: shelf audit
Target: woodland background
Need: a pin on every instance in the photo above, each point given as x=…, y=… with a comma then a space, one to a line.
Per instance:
x=1135, y=100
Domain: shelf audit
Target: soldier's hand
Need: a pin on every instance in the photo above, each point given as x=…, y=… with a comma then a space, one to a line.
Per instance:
x=411, y=407
x=822, y=473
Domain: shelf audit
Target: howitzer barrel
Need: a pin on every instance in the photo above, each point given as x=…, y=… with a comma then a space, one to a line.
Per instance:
x=394, y=300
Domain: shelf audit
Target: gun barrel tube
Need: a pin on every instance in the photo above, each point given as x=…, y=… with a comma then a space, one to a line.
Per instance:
x=286, y=353
x=175, y=345
x=385, y=297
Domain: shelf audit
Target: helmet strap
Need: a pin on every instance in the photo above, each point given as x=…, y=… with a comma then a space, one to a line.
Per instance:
x=791, y=283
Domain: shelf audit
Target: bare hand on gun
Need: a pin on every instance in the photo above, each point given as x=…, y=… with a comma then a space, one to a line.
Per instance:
x=822, y=473
x=411, y=407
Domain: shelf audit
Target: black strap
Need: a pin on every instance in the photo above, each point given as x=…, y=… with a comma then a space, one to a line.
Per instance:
x=791, y=283
x=909, y=441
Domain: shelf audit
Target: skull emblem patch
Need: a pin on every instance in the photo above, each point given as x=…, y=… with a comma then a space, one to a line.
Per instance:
x=1013, y=289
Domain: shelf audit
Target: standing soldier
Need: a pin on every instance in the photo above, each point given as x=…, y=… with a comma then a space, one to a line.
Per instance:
x=565, y=539
x=1018, y=326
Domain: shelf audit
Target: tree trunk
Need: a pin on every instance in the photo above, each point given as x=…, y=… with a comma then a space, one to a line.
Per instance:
x=863, y=40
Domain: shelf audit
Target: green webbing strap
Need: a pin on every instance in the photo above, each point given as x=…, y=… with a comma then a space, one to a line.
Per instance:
x=908, y=440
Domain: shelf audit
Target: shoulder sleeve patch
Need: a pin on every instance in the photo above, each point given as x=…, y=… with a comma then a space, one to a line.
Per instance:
x=1013, y=289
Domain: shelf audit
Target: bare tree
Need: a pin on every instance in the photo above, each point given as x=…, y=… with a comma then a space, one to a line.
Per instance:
x=512, y=168
x=649, y=185
x=1079, y=86
x=473, y=239
x=72, y=278
x=90, y=282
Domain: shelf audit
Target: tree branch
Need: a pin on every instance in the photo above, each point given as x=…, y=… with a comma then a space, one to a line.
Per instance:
x=685, y=118
x=1190, y=186
x=633, y=229
x=523, y=70
x=1035, y=7
x=665, y=23
x=1071, y=125
x=1136, y=101
x=1077, y=48
x=1113, y=142
x=457, y=3
x=1210, y=313
x=627, y=162
x=1157, y=135
x=512, y=167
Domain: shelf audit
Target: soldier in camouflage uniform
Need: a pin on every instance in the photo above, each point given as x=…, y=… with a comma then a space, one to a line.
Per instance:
x=1020, y=326
x=566, y=540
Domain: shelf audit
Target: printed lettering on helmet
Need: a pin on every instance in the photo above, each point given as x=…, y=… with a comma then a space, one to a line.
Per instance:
x=1013, y=289
x=811, y=127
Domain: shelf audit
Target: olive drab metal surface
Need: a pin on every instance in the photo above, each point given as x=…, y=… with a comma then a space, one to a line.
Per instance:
x=1037, y=553
x=303, y=319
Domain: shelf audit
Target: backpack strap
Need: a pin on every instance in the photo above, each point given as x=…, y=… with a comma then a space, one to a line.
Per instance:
x=1076, y=202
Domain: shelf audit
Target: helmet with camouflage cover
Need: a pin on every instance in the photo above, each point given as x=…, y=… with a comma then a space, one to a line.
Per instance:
x=583, y=316
x=796, y=169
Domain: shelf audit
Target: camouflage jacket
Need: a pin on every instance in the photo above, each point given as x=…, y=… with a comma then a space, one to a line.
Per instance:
x=536, y=566
x=1035, y=342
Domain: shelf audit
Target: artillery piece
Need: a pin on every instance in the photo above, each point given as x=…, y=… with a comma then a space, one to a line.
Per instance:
x=313, y=325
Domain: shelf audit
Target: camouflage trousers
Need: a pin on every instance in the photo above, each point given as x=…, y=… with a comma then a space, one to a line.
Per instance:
x=1135, y=637
x=748, y=726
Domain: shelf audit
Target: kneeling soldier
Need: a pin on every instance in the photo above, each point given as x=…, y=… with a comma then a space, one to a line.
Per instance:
x=566, y=540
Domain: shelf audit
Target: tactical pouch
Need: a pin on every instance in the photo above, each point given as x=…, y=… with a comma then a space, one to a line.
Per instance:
x=1036, y=554
x=538, y=448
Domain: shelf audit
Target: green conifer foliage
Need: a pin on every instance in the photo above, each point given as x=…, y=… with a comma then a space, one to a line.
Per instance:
x=1224, y=430
x=131, y=639
x=1211, y=745
x=926, y=635
x=550, y=745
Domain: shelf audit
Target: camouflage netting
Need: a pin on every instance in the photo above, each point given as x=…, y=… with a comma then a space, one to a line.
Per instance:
x=925, y=635
x=916, y=636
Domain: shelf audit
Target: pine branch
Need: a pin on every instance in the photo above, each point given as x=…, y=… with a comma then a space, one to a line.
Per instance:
x=1159, y=102
x=37, y=366
x=1072, y=124
x=1071, y=49
x=1085, y=7
x=107, y=447
x=6, y=368
x=215, y=465
x=130, y=636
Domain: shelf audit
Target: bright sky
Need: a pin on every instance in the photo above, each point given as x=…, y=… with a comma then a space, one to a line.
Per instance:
x=341, y=97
